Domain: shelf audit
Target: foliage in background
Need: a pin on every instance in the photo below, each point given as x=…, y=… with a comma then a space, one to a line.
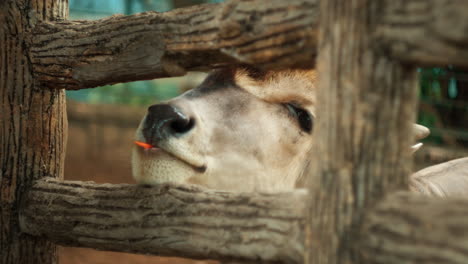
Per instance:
x=444, y=105
x=430, y=89
x=139, y=93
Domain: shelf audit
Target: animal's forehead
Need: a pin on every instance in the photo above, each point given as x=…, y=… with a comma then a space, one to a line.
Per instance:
x=271, y=86
x=279, y=86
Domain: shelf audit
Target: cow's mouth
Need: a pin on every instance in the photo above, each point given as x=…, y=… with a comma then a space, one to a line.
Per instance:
x=155, y=149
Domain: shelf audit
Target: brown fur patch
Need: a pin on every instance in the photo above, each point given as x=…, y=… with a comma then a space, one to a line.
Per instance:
x=279, y=86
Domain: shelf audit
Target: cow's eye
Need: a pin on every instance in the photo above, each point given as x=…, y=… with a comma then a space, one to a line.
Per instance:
x=302, y=116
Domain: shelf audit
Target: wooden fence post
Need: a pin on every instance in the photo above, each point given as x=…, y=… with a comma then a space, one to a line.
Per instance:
x=367, y=103
x=32, y=126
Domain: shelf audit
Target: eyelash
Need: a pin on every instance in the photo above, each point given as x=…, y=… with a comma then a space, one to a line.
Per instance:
x=303, y=117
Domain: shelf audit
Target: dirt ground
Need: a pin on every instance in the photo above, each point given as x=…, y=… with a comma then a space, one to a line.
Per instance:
x=99, y=142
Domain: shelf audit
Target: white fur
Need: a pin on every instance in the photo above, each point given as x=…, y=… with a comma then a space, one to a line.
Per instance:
x=244, y=136
x=256, y=147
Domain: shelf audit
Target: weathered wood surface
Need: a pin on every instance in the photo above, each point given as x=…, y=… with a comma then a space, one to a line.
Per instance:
x=429, y=32
x=189, y=221
x=407, y=228
x=171, y=220
x=32, y=126
x=83, y=54
x=367, y=103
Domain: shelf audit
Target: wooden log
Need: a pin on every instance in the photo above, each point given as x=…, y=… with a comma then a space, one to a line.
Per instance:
x=84, y=54
x=168, y=220
x=407, y=228
x=282, y=34
x=429, y=32
x=33, y=126
x=367, y=103
x=189, y=221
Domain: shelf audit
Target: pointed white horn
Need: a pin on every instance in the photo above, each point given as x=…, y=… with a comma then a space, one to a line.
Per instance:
x=420, y=132
x=415, y=147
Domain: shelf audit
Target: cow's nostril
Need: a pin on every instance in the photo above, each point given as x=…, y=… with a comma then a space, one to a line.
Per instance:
x=164, y=121
x=181, y=126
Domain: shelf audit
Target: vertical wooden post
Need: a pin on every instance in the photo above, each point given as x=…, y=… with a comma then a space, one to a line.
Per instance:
x=32, y=126
x=367, y=103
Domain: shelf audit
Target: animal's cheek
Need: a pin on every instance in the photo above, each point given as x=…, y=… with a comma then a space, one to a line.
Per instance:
x=289, y=140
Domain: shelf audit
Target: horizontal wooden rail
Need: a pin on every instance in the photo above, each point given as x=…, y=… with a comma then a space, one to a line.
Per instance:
x=424, y=32
x=84, y=54
x=170, y=220
x=406, y=228
x=189, y=221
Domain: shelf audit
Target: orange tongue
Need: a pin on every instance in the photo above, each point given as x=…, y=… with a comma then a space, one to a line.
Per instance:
x=143, y=144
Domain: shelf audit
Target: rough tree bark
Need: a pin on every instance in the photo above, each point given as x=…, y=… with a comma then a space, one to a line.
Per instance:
x=430, y=32
x=190, y=221
x=406, y=228
x=367, y=104
x=32, y=126
x=84, y=54
x=170, y=219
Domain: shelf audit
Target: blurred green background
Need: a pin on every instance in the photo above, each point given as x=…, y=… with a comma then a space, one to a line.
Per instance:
x=443, y=91
x=444, y=105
